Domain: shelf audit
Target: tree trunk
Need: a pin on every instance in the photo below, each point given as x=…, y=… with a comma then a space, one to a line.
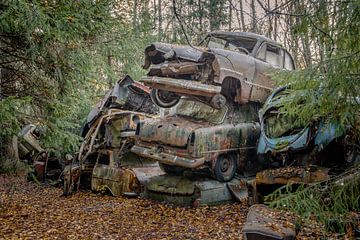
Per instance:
x=134, y=20
x=268, y=32
x=275, y=23
x=230, y=15
x=159, y=21
x=253, y=16
x=242, y=16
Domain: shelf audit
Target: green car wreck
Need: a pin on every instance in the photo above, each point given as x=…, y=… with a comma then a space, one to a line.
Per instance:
x=195, y=135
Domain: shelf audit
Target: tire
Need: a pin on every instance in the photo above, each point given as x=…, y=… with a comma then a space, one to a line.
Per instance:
x=172, y=170
x=164, y=99
x=225, y=167
x=218, y=101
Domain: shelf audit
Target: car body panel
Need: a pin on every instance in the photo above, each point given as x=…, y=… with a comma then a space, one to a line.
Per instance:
x=192, y=143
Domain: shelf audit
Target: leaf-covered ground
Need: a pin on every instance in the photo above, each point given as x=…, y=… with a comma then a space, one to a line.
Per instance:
x=32, y=211
x=29, y=211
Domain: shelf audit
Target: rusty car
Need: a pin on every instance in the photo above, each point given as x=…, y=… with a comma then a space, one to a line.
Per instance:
x=232, y=65
x=44, y=164
x=196, y=135
x=104, y=161
x=283, y=142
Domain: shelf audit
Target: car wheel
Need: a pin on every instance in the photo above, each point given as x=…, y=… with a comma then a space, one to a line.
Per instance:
x=225, y=167
x=172, y=170
x=164, y=99
x=218, y=101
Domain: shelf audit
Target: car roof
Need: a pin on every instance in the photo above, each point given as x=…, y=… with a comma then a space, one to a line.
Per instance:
x=256, y=36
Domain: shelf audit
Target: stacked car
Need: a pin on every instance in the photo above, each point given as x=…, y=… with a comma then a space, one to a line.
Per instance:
x=214, y=91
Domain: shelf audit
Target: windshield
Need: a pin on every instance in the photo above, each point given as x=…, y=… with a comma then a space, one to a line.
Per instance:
x=200, y=111
x=234, y=43
x=280, y=125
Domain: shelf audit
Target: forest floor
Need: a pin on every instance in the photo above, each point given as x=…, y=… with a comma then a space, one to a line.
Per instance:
x=29, y=211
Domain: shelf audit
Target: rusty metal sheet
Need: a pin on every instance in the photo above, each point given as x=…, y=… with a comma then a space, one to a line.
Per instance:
x=288, y=175
x=144, y=174
x=171, y=131
x=266, y=224
x=117, y=180
x=195, y=191
x=178, y=68
x=239, y=190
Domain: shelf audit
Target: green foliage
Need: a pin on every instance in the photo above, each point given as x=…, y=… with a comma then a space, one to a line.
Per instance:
x=330, y=88
x=326, y=90
x=60, y=57
x=11, y=166
x=11, y=112
x=330, y=202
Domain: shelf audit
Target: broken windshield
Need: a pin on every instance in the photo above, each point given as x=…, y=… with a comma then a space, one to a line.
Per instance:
x=200, y=111
x=234, y=43
x=280, y=125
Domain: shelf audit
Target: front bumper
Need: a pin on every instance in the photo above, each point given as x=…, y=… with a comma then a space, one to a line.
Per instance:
x=167, y=158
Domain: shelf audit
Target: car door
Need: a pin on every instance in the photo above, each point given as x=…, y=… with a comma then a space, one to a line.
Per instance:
x=269, y=58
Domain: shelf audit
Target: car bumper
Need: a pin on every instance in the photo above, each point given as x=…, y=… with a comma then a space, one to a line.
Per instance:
x=167, y=158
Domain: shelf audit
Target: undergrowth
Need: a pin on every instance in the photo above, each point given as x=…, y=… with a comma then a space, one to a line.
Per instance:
x=10, y=166
x=331, y=202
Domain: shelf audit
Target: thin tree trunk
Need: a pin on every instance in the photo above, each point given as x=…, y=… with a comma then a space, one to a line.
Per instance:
x=159, y=20
x=275, y=22
x=173, y=24
x=230, y=15
x=268, y=33
x=200, y=17
x=242, y=16
x=155, y=13
x=134, y=20
x=253, y=15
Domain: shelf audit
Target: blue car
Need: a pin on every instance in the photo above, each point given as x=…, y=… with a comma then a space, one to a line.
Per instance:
x=282, y=143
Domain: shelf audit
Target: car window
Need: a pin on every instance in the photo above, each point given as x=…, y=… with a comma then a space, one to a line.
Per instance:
x=217, y=43
x=233, y=43
x=288, y=63
x=271, y=54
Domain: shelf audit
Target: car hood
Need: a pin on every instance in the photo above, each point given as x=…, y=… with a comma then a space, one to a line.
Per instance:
x=154, y=54
x=171, y=131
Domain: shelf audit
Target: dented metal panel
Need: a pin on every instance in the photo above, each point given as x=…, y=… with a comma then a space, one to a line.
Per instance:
x=288, y=175
x=181, y=86
x=172, y=131
x=116, y=180
x=188, y=191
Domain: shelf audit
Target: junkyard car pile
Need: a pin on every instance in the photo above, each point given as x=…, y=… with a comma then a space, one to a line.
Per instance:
x=218, y=88
x=104, y=161
x=212, y=136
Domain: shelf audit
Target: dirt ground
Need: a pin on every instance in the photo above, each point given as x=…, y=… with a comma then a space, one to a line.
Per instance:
x=31, y=211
